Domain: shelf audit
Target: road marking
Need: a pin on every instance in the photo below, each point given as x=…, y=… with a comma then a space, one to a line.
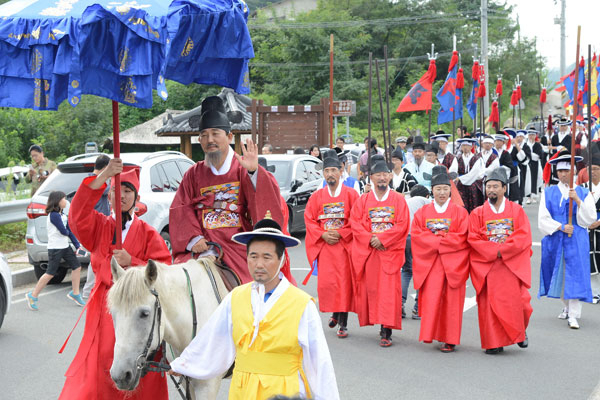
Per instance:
x=41, y=294
x=537, y=244
x=300, y=269
x=470, y=302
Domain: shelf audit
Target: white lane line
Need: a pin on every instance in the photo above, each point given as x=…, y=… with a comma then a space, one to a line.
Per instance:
x=470, y=302
x=537, y=244
x=300, y=269
x=44, y=293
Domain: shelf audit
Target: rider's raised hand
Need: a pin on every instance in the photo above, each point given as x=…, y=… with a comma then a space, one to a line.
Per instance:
x=249, y=157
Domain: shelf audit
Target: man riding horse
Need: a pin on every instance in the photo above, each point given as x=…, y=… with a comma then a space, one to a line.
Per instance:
x=219, y=197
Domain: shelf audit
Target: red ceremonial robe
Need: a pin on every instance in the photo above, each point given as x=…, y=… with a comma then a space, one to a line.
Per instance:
x=501, y=283
x=88, y=376
x=440, y=270
x=378, y=290
x=323, y=212
x=285, y=268
x=219, y=206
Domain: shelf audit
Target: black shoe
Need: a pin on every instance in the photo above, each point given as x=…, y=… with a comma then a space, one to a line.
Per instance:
x=415, y=314
x=495, y=350
x=524, y=343
x=333, y=321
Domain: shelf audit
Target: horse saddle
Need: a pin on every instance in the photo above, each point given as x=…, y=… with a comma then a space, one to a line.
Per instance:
x=229, y=277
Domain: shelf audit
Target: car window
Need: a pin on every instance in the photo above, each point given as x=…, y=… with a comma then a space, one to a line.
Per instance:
x=184, y=166
x=282, y=172
x=301, y=172
x=65, y=182
x=173, y=175
x=158, y=179
x=311, y=171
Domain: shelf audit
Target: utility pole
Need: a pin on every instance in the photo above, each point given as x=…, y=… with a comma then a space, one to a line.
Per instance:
x=484, y=54
x=563, y=36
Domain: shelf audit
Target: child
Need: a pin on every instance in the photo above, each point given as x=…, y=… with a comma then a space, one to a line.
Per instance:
x=58, y=249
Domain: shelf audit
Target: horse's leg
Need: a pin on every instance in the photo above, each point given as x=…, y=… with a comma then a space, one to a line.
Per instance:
x=206, y=390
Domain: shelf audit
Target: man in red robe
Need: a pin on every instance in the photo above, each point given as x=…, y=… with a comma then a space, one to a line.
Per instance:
x=500, y=239
x=88, y=377
x=440, y=264
x=328, y=242
x=380, y=222
x=218, y=197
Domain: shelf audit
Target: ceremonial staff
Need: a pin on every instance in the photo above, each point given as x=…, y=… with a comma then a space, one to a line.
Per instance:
x=432, y=56
x=385, y=149
x=589, y=115
x=542, y=101
x=499, y=95
x=518, y=82
x=368, y=146
x=460, y=84
x=575, y=113
x=454, y=105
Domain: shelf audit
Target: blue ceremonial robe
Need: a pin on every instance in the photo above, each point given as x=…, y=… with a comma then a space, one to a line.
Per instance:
x=565, y=261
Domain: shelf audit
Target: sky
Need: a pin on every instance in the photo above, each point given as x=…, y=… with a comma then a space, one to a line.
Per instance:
x=536, y=18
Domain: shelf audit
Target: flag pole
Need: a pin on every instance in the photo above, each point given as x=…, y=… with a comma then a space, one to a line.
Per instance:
x=331, y=91
x=117, y=154
x=368, y=146
x=514, y=109
x=387, y=100
x=589, y=115
x=575, y=113
x=431, y=56
x=385, y=149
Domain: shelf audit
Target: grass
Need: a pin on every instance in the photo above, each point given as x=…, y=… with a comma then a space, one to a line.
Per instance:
x=12, y=237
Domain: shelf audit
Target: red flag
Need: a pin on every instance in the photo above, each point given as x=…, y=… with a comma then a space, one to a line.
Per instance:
x=519, y=97
x=543, y=96
x=513, y=98
x=419, y=96
x=460, y=79
x=481, y=90
x=495, y=115
x=499, y=87
x=475, y=71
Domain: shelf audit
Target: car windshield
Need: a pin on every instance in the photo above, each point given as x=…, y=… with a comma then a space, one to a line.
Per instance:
x=282, y=172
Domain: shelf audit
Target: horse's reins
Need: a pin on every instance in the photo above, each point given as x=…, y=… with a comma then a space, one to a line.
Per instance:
x=144, y=361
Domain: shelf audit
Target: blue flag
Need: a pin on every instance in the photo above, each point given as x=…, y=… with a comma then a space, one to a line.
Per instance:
x=472, y=103
x=450, y=98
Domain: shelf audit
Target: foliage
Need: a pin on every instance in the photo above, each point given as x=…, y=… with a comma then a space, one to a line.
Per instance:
x=12, y=236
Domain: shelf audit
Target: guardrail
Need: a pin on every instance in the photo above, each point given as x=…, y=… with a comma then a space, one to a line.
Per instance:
x=13, y=211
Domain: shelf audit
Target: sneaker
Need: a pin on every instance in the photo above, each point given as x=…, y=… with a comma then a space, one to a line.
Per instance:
x=564, y=314
x=573, y=324
x=415, y=314
x=596, y=299
x=403, y=312
x=76, y=298
x=528, y=201
x=342, y=332
x=385, y=342
x=31, y=301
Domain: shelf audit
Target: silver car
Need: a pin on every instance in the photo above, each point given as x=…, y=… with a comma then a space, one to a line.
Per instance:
x=5, y=287
x=298, y=178
x=160, y=175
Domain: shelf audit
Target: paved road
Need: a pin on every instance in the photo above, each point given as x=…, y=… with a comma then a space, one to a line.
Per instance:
x=560, y=363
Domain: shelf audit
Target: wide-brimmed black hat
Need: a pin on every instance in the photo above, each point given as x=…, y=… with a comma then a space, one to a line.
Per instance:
x=440, y=179
x=564, y=156
x=266, y=227
x=379, y=166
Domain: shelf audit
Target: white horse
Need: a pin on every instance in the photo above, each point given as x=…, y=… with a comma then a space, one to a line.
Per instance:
x=133, y=302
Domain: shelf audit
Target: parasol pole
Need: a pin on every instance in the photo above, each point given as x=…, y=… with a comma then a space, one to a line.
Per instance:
x=589, y=115
x=575, y=113
x=431, y=56
x=117, y=154
x=385, y=150
x=387, y=100
x=368, y=146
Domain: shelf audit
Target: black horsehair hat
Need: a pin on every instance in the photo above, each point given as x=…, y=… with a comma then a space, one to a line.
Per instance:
x=379, y=166
x=499, y=174
x=213, y=115
x=439, y=176
x=266, y=227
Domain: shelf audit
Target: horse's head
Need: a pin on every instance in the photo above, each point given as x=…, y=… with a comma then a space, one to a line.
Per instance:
x=136, y=316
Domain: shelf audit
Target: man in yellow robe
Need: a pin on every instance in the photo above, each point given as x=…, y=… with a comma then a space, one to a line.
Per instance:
x=271, y=329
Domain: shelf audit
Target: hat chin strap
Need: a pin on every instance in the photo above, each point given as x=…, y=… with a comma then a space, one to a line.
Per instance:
x=261, y=300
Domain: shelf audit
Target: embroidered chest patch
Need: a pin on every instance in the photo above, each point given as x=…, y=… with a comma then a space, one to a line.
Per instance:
x=333, y=215
x=438, y=225
x=498, y=230
x=382, y=218
x=223, y=212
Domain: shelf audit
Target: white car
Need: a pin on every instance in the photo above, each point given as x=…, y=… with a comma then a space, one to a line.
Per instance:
x=5, y=287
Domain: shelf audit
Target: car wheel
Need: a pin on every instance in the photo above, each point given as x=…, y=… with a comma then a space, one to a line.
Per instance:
x=289, y=227
x=40, y=269
x=3, y=303
x=167, y=238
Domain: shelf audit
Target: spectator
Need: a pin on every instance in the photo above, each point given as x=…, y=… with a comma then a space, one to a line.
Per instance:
x=315, y=151
x=267, y=149
x=40, y=168
x=58, y=249
x=299, y=150
x=339, y=143
x=102, y=207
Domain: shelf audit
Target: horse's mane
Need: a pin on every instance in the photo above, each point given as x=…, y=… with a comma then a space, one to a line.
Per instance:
x=129, y=290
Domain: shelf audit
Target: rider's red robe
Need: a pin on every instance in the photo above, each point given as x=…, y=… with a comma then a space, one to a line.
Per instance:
x=219, y=206
x=378, y=281
x=440, y=270
x=335, y=282
x=88, y=377
x=501, y=282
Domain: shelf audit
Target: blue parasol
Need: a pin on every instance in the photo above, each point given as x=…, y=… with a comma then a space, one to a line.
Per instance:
x=56, y=50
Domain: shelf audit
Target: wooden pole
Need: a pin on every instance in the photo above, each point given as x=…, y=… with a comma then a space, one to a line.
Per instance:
x=589, y=115
x=575, y=113
x=385, y=149
x=387, y=100
x=368, y=146
x=331, y=91
x=117, y=154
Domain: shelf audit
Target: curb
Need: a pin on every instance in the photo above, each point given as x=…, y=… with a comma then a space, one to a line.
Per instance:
x=24, y=276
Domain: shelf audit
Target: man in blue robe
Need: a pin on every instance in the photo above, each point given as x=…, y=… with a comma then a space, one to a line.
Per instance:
x=565, y=269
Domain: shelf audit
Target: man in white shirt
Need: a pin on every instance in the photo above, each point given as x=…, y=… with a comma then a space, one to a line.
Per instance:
x=565, y=269
x=254, y=326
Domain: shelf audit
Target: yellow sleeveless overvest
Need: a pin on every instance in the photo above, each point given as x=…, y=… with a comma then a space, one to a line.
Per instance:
x=271, y=365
